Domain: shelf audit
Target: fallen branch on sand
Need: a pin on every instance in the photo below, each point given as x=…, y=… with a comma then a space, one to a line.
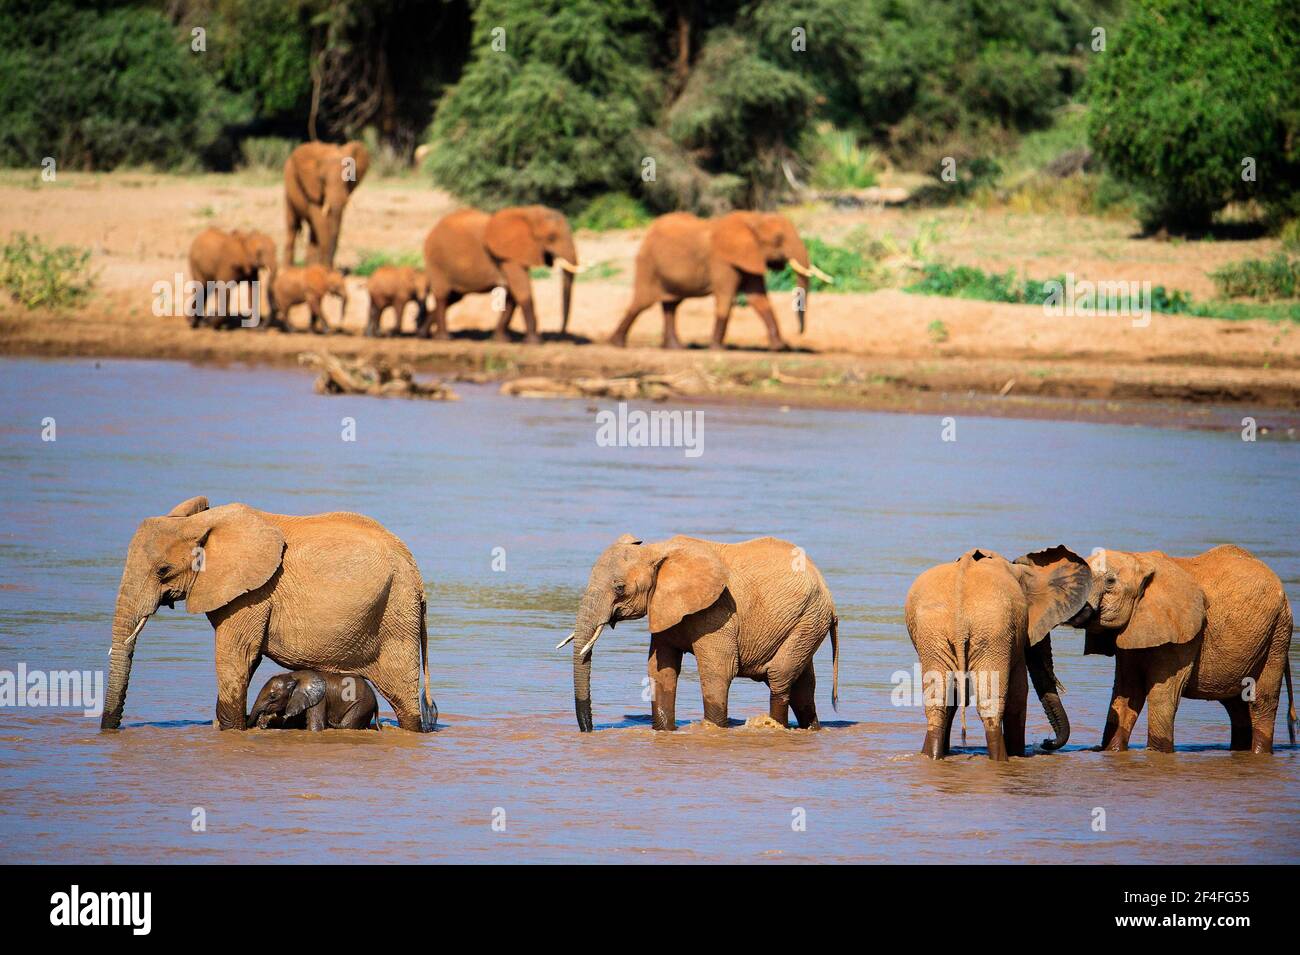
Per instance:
x=339, y=377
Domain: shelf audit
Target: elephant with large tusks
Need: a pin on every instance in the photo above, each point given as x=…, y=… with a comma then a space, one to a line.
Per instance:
x=1212, y=627
x=332, y=592
x=757, y=609
x=985, y=617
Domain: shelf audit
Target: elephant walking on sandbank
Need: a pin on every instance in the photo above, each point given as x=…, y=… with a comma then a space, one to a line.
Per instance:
x=1212, y=627
x=990, y=619
x=319, y=179
x=757, y=609
x=332, y=592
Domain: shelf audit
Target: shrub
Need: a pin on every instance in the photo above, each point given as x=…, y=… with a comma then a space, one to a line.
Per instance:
x=1186, y=91
x=372, y=259
x=1276, y=277
x=38, y=276
x=614, y=210
x=100, y=89
x=840, y=161
x=855, y=269
x=267, y=153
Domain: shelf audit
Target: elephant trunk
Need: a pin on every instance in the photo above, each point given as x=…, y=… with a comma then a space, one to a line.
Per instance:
x=127, y=624
x=587, y=628
x=801, y=304
x=1039, y=660
x=566, y=292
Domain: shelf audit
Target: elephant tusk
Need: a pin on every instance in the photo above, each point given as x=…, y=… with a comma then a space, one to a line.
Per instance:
x=567, y=639
x=594, y=637
x=569, y=266
x=818, y=273
x=129, y=641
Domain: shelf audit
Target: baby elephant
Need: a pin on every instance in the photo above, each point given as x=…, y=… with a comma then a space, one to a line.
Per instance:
x=395, y=285
x=309, y=284
x=312, y=700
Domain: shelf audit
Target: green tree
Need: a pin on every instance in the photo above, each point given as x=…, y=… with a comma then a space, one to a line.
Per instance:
x=1189, y=90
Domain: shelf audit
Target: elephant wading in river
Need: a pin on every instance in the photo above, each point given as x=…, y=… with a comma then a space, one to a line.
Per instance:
x=684, y=256
x=1212, y=627
x=315, y=701
x=333, y=592
x=990, y=618
x=319, y=179
x=469, y=251
x=758, y=609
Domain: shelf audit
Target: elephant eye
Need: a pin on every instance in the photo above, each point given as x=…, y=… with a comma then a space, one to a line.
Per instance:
x=1110, y=580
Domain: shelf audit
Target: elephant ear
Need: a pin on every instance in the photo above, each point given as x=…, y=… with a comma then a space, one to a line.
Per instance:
x=1170, y=607
x=189, y=508
x=735, y=243
x=309, y=690
x=241, y=550
x=308, y=170
x=1056, y=582
x=690, y=579
x=361, y=158
x=510, y=237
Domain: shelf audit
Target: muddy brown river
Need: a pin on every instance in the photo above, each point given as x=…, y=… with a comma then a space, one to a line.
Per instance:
x=505, y=503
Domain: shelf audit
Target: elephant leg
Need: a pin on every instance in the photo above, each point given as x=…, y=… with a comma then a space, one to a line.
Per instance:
x=240, y=635
x=642, y=299
x=993, y=737
x=1173, y=668
x=1239, y=717
x=502, y=332
x=376, y=312
x=1127, y=697
x=665, y=664
x=1015, y=710
x=803, y=699
x=1268, y=687
x=939, y=714
x=356, y=717
x=398, y=681
x=315, y=716
x=292, y=223
x=317, y=323
x=755, y=290
x=670, y=324
x=521, y=290
x=724, y=293
x=716, y=660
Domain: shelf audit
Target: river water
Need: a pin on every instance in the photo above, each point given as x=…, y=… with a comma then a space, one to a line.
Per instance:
x=505, y=503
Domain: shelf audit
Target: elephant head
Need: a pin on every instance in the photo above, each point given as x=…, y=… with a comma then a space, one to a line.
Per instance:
x=1056, y=583
x=755, y=242
x=260, y=250
x=666, y=581
x=1137, y=601
x=206, y=557
x=534, y=236
x=285, y=696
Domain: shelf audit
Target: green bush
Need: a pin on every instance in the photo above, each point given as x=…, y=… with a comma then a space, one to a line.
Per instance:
x=614, y=210
x=840, y=161
x=372, y=259
x=1189, y=89
x=97, y=89
x=1276, y=277
x=38, y=276
x=855, y=269
x=552, y=117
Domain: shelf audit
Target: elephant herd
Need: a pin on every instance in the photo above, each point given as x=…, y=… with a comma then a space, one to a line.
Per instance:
x=470, y=252
x=339, y=600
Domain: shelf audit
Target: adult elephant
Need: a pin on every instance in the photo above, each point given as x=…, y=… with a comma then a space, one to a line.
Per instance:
x=333, y=592
x=220, y=261
x=1212, y=627
x=684, y=256
x=319, y=179
x=758, y=609
x=984, y=616
x=470, y=251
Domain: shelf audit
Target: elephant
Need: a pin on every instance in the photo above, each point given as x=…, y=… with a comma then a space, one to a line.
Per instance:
x=470, y=251
x=307, y=284
x=1212, y=627
x=984, y=616
x=229, y=258
x=315, y=701
x=757, y=609
x=393, y=286
x=333, y=592
x=684, y=256
x=319, y=179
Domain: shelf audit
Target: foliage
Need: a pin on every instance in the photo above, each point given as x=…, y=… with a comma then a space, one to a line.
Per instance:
x=372, y=259
x=840, y=161
x=1276, y=277
x=100, y=88
x=267, y=153
x=855, y=267
x=40, y=276
x=613, y=210
x=1188, y=90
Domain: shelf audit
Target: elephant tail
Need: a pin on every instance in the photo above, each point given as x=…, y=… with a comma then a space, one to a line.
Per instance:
x=1290, y=702
x=962, y=684
x=835, y=665
x=428, y=707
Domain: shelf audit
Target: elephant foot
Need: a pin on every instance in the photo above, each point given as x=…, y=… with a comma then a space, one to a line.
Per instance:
x=777, y=345
x=716, y=345
x=500, y=336
x=616, y=341
x=533, y=339
x=933, y=746
x=672, y=344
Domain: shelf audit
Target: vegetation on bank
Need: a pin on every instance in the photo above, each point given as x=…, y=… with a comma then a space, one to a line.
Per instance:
x=37, y=275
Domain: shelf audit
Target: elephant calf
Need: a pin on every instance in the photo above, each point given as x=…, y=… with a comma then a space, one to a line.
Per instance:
x=393, y=286
x=1212, y=627
x=299, y=285
x=311, y=700
x=758, y=609
x=990, y=618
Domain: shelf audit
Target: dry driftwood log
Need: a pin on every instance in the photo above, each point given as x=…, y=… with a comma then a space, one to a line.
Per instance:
x=651, y=387
x=339, y=377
